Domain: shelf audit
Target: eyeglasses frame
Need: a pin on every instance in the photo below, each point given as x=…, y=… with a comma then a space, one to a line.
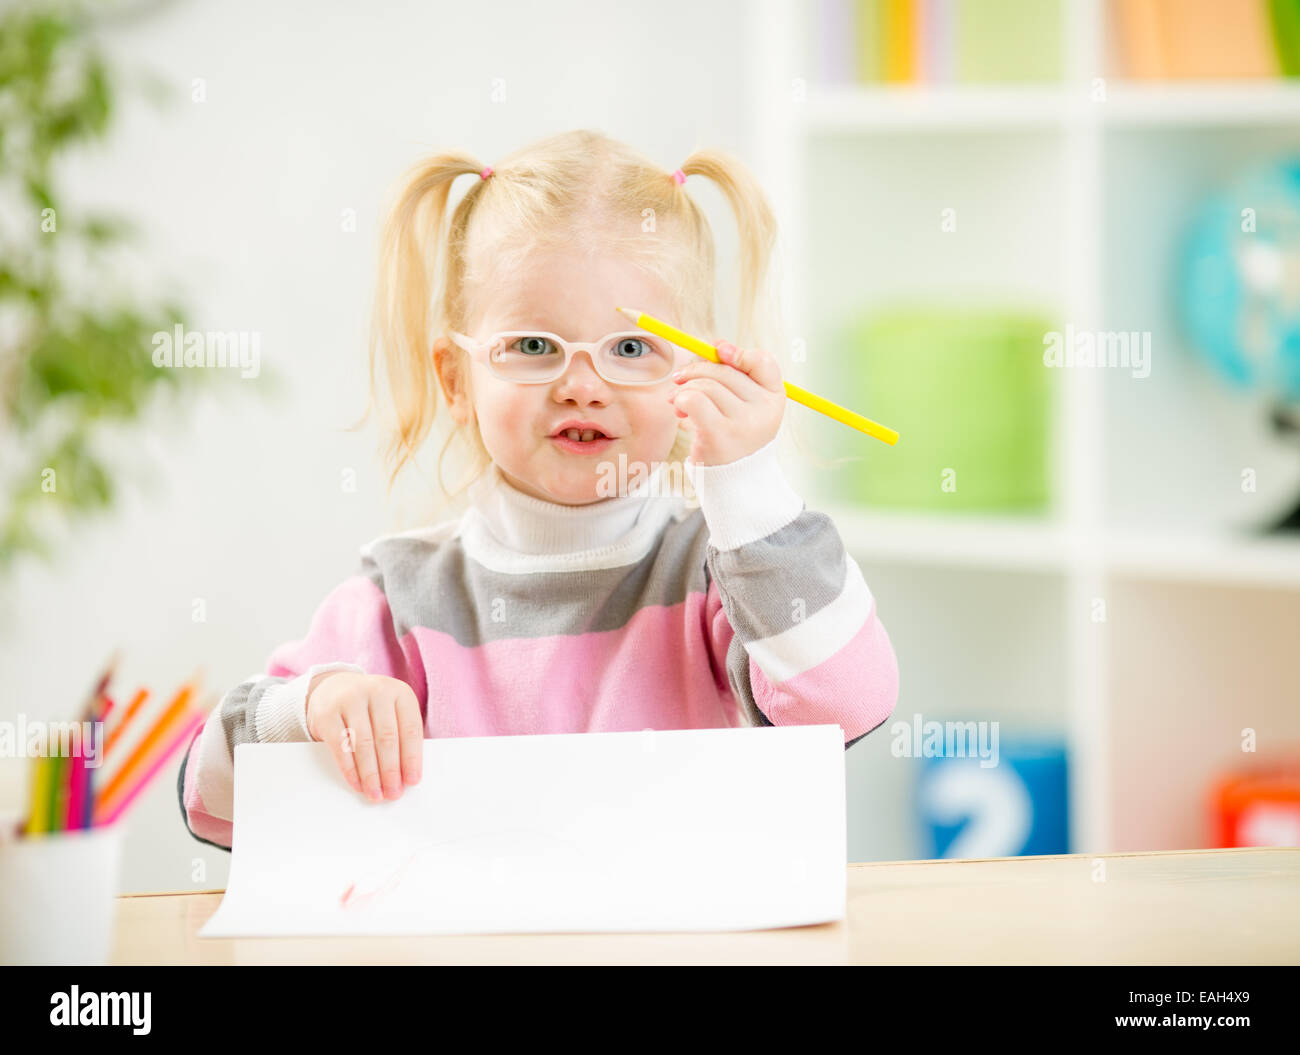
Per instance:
x=478, y=348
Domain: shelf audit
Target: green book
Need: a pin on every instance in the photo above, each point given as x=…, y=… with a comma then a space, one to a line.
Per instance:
x=1009, y=40
x=869, y=41
x=969, y=395
x=1285, y=17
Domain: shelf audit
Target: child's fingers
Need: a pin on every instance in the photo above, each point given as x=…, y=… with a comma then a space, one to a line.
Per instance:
x=356, y=715
x=388, y=746
x=737, y=382
x=700, y=407
x=755, y=363
x=410, y=726
x=335, y=733
x=730, y=404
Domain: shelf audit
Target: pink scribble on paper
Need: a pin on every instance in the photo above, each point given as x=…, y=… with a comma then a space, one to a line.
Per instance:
x=352, y=897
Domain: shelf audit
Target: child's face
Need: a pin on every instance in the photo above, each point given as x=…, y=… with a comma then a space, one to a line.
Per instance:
x=572, y=296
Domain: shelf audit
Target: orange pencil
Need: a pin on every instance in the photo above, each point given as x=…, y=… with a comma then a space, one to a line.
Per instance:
x=136, y=701
x=139, y=757
x=180, y=734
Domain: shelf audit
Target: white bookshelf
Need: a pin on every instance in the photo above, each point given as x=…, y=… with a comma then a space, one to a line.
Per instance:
x=976, y=108
x=1143, y=506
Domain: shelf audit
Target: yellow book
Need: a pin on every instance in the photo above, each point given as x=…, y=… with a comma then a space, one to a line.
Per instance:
x=900, y=41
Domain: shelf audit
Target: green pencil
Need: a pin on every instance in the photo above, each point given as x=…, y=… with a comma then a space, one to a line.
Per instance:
x=57, y=791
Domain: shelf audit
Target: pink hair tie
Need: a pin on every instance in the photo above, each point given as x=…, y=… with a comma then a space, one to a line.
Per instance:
x=485, y=173
x=679, y=176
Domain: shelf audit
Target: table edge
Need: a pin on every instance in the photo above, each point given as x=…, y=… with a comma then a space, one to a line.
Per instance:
x=910, y=863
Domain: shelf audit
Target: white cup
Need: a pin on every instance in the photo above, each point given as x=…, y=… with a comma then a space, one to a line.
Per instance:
x=58, y=894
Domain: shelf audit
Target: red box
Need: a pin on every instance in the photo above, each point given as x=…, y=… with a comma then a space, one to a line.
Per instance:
x=1259, y=806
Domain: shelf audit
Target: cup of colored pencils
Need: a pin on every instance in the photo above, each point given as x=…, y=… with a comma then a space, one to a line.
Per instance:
x=59, y=865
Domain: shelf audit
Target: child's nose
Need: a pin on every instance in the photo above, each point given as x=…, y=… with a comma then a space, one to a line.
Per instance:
x=582, y=372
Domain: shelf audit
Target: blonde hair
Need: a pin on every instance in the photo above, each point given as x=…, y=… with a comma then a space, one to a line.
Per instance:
x=581, y=190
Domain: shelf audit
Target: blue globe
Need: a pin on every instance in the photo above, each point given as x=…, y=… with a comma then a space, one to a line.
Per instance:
x=1239, y=288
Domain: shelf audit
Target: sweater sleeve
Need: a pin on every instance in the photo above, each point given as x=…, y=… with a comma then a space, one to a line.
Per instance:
x=352, y=629
x=790, y=618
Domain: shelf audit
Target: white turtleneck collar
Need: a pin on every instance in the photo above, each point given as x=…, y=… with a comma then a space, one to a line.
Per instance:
x=522, y=524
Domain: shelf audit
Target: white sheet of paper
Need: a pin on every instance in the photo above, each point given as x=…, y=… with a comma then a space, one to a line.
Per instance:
x=683, y=830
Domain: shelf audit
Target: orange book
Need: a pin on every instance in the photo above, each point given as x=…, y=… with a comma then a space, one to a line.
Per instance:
x=1194, y=39
x=1137, y=40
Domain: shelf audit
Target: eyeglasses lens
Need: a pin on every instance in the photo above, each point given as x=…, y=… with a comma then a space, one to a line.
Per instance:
x=629, y=358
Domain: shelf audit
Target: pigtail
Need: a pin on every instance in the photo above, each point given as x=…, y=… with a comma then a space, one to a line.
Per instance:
x=412, y=262
x=759, y=320
x=756, y=230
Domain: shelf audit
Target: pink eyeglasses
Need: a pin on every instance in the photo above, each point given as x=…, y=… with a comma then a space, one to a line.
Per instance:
x=534, y=357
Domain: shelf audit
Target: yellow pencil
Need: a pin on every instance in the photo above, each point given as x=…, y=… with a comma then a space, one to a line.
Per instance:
x=799, y=395
x=38, y=810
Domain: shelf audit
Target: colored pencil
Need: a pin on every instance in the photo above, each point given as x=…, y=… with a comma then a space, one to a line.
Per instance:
x=106, y=705
x=76, y=790
x=136, y=701
x=57, y=803
x=38, y=807
x=88, y=795
x=180, y=735
x=138, y=759
x=92, y=702
x=793, y=391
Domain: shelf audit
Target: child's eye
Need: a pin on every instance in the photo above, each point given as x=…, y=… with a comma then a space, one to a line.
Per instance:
x=533, y=345
x=631, y=348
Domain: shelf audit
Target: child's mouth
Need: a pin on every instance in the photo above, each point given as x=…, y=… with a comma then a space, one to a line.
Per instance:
x=578, y=441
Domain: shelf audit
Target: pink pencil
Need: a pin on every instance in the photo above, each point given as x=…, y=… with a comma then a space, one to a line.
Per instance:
x=76, y=790
x=190, y=723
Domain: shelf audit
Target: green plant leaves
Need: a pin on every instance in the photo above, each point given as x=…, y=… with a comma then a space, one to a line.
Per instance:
x=67, y=368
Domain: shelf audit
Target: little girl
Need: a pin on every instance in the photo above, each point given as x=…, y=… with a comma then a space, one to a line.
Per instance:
x=553, y=605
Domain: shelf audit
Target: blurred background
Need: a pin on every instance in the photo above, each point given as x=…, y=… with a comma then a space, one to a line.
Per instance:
x=1054, y=243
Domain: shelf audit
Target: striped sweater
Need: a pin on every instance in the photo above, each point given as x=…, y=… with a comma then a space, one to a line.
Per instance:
x=635, y=612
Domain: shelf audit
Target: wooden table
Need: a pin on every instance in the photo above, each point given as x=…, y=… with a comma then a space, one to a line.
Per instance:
x=1184, y=907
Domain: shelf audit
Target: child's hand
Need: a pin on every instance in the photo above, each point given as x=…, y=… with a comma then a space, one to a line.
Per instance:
x=373, y=726
x=734, y=407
